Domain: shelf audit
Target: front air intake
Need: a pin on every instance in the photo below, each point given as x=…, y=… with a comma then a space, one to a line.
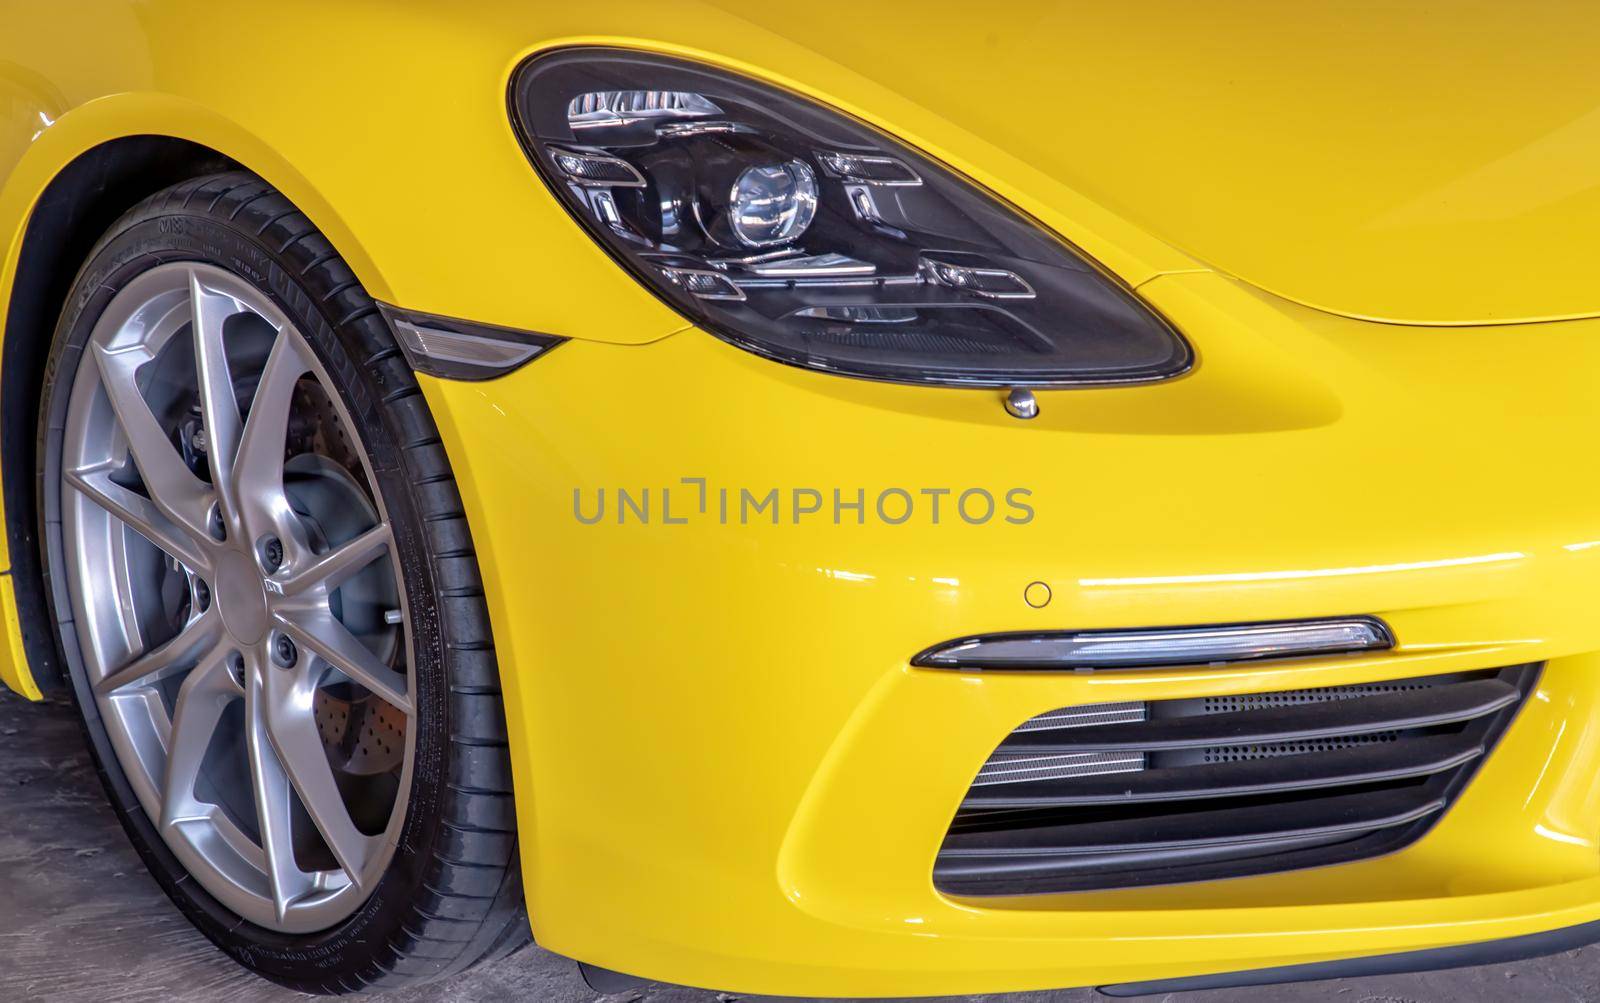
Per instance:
x=1141, y=793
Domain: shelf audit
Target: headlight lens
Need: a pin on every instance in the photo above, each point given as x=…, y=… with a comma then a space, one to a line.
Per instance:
x=801, y=234
x=773, y=204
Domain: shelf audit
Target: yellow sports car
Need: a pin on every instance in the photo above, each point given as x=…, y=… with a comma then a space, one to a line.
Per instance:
x=900, y=499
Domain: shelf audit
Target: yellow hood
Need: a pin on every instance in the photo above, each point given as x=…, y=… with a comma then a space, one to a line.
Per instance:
x=1420, y=163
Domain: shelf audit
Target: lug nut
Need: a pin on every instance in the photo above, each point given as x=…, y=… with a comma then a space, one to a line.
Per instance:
x=284, y=651
x=236, y=668
x=272, y=553
x=202, y=595
x=214, y=524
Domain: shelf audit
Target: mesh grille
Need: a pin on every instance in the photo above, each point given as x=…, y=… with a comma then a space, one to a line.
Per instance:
x=1289, y=698
x=1012, y=769
x=1015, y=769
x=1087, y=714
x=1239, y=753
x=1294, y=698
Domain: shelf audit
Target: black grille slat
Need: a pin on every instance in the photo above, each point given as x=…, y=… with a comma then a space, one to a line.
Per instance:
x=1293, y=723
x=1264, y=775
x=1071, y=848
x=1320, y=818
x=1305, y=777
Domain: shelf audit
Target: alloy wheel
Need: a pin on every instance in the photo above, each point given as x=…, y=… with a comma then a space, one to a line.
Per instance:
x=237, y=598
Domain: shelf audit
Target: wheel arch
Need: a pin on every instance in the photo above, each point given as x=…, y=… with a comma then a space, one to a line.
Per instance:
x=78, y=176
x=78, y=204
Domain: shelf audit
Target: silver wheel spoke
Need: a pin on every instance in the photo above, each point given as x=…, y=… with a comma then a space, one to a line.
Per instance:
x=201, y=633
x=293, y=729
x=331, y=569
x=330, y=640
x=205, y=693
x=139, y=513
x=176, y=491
x=219, y=407
x=257, y=475
x=274, y=798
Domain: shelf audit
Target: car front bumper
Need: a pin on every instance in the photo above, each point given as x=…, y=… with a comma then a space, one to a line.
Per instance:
x=729, y=776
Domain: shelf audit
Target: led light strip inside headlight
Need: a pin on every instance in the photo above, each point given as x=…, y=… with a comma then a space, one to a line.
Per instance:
x=803, y=235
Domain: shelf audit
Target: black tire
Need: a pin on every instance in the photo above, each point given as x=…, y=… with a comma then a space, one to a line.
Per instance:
x=452, y=894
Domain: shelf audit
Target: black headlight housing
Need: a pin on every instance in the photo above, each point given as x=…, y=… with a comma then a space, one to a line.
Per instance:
x=801, y=234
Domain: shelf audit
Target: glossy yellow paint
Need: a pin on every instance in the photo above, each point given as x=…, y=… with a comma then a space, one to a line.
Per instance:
x=727, y=773
x=14, y=672
x=1376, y=159
x=738, y=781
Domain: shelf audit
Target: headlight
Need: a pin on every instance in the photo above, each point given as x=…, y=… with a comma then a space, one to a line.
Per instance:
x=801, y=234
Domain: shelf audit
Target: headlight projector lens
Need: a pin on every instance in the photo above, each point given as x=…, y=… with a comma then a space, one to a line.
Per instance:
x=773, y=205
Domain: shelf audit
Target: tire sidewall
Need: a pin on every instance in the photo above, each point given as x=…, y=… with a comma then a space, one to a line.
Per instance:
x=132, y=248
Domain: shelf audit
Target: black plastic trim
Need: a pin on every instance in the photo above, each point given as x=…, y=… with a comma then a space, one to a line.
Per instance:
x=452, y=369
x=607, y=982
x=1432, y=959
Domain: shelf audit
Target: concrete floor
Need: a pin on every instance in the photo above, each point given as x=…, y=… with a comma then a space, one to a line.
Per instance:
x=80, y=920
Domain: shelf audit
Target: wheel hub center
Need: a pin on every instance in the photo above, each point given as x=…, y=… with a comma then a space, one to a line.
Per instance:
x=241, y=597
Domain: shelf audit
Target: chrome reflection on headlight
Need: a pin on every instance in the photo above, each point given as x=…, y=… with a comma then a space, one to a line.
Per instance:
x=803, y=235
